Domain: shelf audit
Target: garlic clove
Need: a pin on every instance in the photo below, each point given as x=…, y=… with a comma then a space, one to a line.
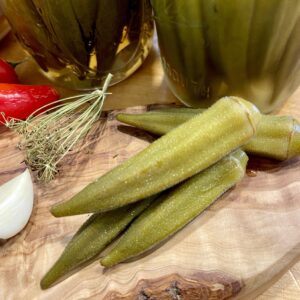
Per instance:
x=16, y=203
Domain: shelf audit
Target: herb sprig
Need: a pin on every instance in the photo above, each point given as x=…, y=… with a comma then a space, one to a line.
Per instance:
x=50, y=133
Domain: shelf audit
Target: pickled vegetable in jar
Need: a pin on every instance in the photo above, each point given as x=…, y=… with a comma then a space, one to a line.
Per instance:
x=78, y=42
x=245, y=48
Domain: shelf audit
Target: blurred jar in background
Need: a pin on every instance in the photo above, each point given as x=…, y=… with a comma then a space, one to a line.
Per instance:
x=214, y=48
x=4, y=26
x=77, y=43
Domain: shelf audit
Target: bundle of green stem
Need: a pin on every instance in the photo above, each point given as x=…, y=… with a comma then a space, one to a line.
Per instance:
x=52, y=131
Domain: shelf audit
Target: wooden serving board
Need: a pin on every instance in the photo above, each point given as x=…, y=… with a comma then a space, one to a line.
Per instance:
x=244, y=240
x=237, y=248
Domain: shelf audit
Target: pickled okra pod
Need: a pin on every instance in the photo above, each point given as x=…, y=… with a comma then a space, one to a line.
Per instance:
x=185, y=68
x=232, y=22
x=92, y=237
x=288, y=68
x=62, y=24
x=85, y=13
x=273, y=52
x=23, y=14
x=250, y=49
x=268, y=44
x=161, y=121
x=110, y=22
x=176, y=208
x=134, y=22
x=277, y=137
x=225, y=126
x=193, y=38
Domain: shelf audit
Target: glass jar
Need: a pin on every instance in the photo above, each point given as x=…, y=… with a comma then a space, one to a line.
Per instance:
x=214, y=48
x=78, y=42
x=4, y=26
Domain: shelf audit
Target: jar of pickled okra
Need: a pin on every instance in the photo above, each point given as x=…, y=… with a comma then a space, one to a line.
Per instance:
x=78, y=42
x=214, y=48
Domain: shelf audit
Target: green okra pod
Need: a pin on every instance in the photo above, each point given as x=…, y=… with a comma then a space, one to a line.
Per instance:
x=61, y=22
x=229, y=20
x=178, y=155
x=34, y=34
x=277, y=137
x=159, y=121
x=272, y=51
x=85, y=13
x=173, y=61
x=192, y=38
x=111, y=19
x=176, y=208
x=285, y=79
x=92, y=237
x=267, y=44
x=183, y=48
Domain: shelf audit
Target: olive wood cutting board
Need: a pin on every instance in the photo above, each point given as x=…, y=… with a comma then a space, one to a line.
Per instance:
x=235, y=248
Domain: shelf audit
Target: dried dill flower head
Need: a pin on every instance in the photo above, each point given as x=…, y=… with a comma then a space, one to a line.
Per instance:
x=47, y=137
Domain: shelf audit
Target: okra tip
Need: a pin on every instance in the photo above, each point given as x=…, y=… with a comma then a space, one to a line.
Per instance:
x=130, y=119
x=108, y=261
x=53, y=276
x=71, y=207
x=294, y=149
x=55, y=211
x=122, y=117
x=45, y=283
x=62, y=210
x=136, y=120
x=56, y=274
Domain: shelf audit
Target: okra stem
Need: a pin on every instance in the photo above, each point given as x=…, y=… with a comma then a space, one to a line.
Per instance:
x=277, y=137
x=180, y=154
x=173, y=210
x=92, y=237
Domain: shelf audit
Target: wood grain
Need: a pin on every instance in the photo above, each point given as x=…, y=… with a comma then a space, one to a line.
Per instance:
x=200, y=286
x=239, y=247
x=250, y=235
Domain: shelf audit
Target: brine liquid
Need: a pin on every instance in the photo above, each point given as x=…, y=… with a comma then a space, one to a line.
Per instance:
x=129, y=57
x=80, y=42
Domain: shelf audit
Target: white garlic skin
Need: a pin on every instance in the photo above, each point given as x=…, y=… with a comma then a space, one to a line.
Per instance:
x=16, y=203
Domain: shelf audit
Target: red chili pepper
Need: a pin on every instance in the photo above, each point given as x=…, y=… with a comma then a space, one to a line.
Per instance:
x=7, y=73
x=19, y=101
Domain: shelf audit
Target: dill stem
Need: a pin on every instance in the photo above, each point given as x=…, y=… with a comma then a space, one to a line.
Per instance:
x=52, y=131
